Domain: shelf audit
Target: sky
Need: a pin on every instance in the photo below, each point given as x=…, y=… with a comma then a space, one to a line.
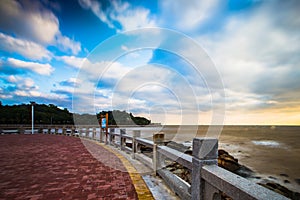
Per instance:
x=174, y=62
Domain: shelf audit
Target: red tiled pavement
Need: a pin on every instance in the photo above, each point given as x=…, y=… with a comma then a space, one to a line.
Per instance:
x=59, y=167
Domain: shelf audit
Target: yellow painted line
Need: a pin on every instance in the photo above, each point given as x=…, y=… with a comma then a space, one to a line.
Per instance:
x=140, y=186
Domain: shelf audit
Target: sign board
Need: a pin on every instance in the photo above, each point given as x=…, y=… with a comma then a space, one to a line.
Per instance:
x=103, y=123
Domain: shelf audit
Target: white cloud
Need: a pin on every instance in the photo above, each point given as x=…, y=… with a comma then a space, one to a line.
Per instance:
x=22, y=83
x=131, y=19
x=125, y=48
x=186, y=15
x=96, y=8
x=72, y=61
x=258, y=55
x=102, y=70
x=71, y=82
x=30, y=21
x=22, y=88
x=66, y=44
x=43, y=69
x=120, y=15
x=26, y=48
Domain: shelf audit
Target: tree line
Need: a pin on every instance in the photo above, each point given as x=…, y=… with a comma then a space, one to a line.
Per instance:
x=51, y=114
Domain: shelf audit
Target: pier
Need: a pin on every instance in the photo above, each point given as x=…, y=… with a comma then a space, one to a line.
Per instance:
x=208, y=180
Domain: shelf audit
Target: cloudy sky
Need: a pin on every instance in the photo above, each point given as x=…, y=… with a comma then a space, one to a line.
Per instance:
x=175, y=62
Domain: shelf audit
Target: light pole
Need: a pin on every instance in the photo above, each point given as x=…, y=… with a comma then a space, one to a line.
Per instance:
x=32, y=116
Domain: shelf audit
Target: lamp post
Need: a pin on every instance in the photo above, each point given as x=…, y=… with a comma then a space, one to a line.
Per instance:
x=32, y=116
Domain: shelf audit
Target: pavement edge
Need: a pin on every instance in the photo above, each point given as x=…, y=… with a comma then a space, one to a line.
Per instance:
x=140, y=186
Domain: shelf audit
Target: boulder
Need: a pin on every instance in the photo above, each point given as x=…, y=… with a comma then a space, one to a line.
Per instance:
x=228, y=162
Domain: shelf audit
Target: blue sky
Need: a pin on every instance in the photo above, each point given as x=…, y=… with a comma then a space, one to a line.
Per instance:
x=175, y=62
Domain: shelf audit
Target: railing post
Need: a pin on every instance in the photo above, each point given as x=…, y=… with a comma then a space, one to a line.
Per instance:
x=122, y=132
x=111, y=135
x=94, y=133
x=80, y=131
x=73, y=131
x=64, y=131
x=21, y=130
x=158, y=139
x=205, y=152
x=136, y=133
x=85, y=131
x=40, y=129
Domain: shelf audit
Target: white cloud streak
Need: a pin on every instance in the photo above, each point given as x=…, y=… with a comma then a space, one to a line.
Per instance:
x=186, y=15
x=43, y=69
x=30, y=21
x=26, y=48
x=72, y=61
x=120, y=15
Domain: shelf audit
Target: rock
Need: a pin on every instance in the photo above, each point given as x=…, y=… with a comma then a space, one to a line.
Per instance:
x=227, y=161
x=284, y=175
x=144, y=148
x=246, y=172
x=228, y=164
x=179, y=147
x=179, y=170
x=127, y=144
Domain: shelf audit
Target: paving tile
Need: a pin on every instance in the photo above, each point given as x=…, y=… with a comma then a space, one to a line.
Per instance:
x=60, y=167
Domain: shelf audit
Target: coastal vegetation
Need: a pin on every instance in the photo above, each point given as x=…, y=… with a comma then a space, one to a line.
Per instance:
x=52, y=114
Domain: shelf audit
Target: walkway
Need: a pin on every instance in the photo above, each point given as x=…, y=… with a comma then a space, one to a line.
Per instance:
x=60, y=167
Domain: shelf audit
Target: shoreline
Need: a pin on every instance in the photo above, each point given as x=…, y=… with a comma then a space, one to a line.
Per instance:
x=267, y=168
x=279, y=183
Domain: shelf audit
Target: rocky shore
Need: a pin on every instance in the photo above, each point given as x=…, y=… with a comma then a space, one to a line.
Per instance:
x=228, y=162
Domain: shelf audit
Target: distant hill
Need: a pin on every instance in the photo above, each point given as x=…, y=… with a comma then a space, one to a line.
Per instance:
x=51, y=114
x=117, y=117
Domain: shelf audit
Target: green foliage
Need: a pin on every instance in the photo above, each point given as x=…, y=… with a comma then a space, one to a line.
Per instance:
x=118, y=117
x=43, y=114
x=51, y=114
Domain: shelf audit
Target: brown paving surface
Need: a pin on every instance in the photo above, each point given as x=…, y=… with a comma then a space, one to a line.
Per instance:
x=59, y=167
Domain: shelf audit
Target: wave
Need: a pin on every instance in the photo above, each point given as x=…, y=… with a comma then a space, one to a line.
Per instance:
x=268, y=143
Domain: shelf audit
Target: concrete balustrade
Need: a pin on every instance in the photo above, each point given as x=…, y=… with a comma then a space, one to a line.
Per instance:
x=208, y=180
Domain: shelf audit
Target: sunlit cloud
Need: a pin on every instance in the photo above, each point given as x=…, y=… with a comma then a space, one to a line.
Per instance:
x=31, y=21
x=25, y=48
x=71, y=82
x=39, y=68
x=187, y=16
x=120, y=15
x=72, y=61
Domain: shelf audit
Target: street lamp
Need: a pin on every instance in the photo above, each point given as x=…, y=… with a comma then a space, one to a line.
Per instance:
x=32, y=115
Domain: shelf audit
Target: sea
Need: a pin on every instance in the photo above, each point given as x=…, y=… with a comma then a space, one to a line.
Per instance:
x=272, y=152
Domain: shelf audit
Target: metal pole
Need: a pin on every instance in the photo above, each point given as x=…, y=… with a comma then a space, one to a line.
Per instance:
x=32, y=118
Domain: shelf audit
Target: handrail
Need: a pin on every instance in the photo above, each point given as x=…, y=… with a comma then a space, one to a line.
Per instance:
x=182, y=158
x=145, y=142
x=236, y=186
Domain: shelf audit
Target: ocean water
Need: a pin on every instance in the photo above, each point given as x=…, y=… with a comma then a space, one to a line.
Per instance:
x=273, y=152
